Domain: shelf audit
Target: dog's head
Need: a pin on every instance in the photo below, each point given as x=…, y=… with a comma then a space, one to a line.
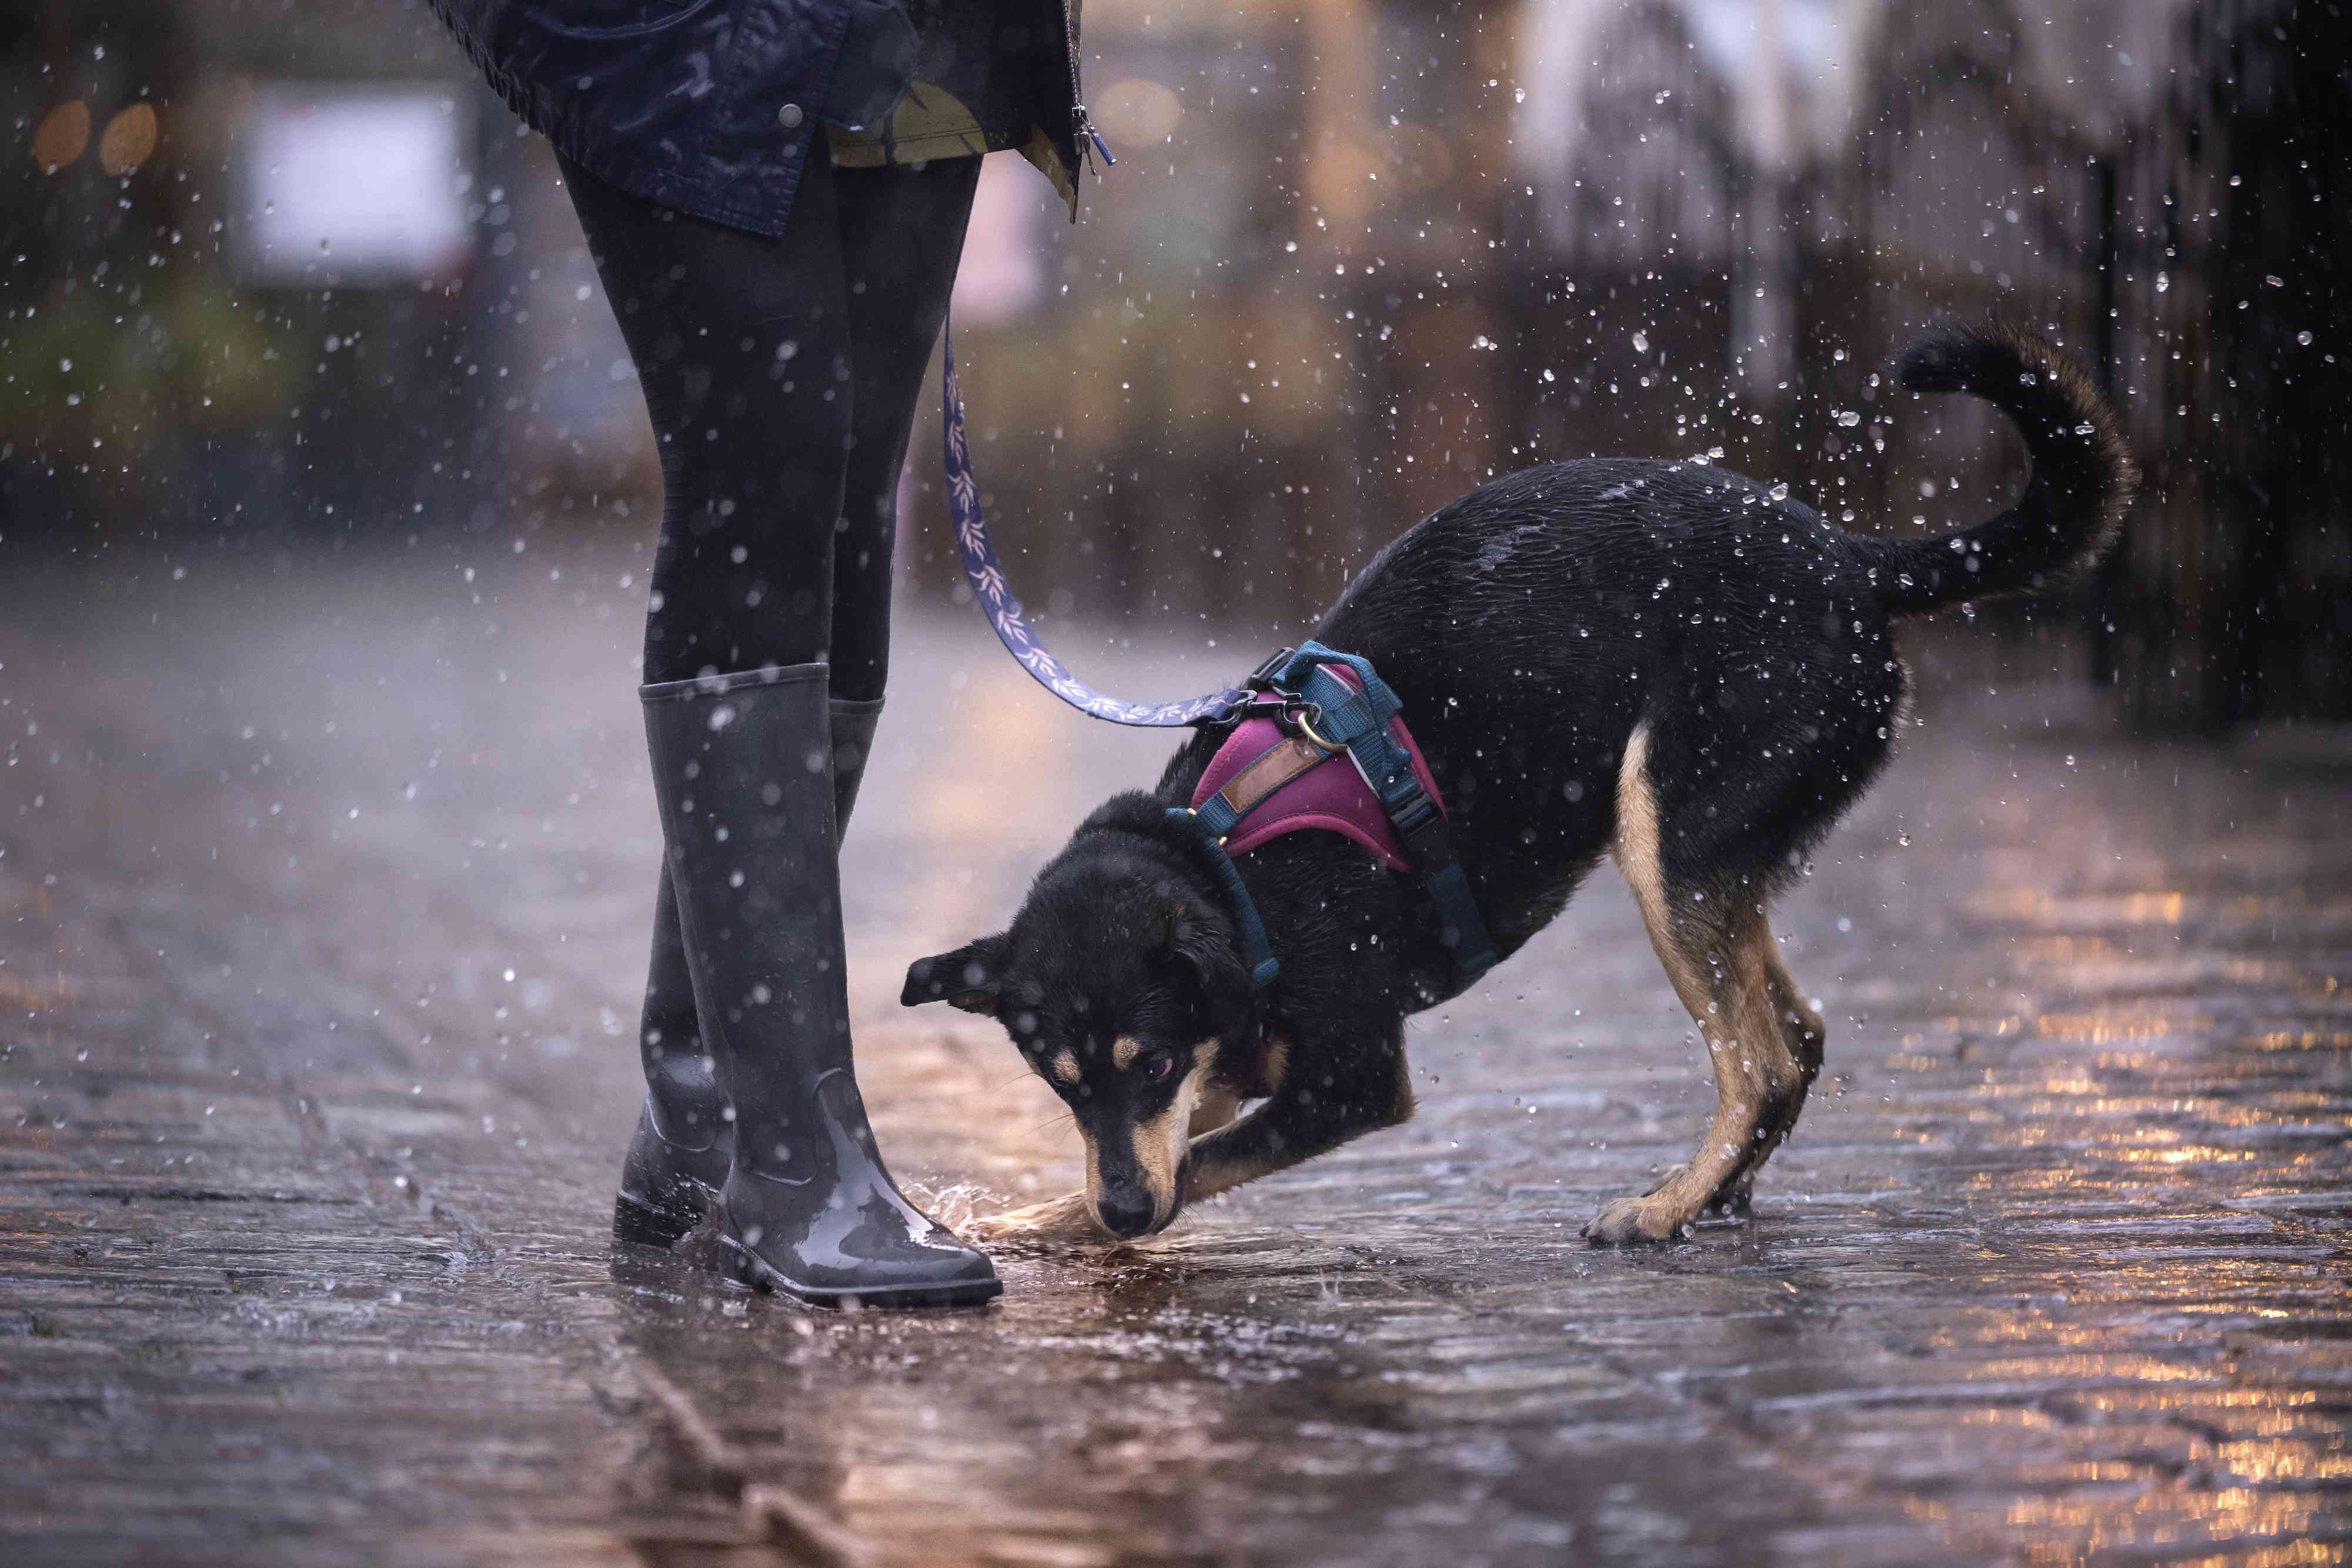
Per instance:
x=1123, y=984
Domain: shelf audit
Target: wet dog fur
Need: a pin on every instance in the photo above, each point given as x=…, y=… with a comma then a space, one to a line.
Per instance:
x=1658, y=661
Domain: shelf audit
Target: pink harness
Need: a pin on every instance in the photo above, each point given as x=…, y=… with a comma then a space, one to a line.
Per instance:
x=1284, y=784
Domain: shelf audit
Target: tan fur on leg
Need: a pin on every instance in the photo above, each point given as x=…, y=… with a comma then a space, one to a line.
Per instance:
x=1723, y=967
x=1801, y=1032
x=1217, y=1108
x=1211, y=1170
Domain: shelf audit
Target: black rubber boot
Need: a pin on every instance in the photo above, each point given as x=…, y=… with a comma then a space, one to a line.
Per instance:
x=678, y=1159
x=679, y=1156
x=741, y=767
x=853, y=721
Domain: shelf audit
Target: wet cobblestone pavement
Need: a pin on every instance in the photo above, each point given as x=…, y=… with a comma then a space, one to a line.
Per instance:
x=321, y=919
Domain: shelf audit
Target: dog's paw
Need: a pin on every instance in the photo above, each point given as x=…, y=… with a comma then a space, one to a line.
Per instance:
x=1734, y=1202
x=1636, y=1222
x=1731, y=1201
x=1068, y=1221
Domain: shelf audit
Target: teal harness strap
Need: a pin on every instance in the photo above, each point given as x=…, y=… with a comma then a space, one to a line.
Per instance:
x=1357, y=718
x=1256, y=947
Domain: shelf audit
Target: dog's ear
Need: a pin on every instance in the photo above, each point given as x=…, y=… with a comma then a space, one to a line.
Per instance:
x=970, y=977
x=1202, y=944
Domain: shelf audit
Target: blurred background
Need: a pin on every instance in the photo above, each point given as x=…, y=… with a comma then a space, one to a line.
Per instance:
x=285, y=278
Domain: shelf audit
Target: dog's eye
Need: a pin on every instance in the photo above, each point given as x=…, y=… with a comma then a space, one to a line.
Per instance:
x=1160, y=1067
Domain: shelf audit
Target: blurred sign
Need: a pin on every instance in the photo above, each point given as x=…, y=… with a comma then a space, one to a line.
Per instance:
x=362, y=182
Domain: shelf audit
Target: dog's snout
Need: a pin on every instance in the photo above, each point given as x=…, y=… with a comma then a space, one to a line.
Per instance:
x=1125, y=1210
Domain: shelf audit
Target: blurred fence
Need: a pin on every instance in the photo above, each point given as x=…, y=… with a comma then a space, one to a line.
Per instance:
x=1356, y=255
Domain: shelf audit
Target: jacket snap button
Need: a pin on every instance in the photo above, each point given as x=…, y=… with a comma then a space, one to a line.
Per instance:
x=789, y=117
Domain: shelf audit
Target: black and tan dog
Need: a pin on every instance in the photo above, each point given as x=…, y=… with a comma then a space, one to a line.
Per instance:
x=1656, y=660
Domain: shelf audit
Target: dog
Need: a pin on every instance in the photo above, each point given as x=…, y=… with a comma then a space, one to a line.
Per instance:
x=1662, y=662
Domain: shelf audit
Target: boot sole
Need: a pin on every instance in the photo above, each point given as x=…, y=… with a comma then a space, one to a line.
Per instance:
x=743, y=1267
x=637, y=1223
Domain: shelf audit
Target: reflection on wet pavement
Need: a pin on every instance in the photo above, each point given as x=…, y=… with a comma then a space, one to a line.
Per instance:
x=324, y=923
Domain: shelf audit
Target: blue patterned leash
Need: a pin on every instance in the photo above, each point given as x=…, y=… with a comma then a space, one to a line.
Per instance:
x=1295, y=682
x=986, y=575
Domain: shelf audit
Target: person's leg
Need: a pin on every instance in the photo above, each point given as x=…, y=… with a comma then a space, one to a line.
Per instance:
x=741, y=347
x=902, y=231
x=722, y=327
x=744, y=349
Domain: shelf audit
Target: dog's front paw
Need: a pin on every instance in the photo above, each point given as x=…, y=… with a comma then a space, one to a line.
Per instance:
x=1068, y=1220
x=1637, y=1222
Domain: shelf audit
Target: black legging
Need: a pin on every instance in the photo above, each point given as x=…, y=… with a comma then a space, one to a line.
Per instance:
x=781, y=377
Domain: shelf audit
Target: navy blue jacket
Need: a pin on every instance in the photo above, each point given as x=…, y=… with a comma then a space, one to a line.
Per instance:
x=709, y=107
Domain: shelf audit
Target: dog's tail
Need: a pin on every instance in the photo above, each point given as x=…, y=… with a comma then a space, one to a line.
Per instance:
x=2083, y=473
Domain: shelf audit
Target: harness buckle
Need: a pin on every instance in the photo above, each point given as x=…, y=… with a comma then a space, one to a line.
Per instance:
x=1415, y=813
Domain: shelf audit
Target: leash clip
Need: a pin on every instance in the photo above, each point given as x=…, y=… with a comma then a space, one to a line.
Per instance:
x=1262, y=678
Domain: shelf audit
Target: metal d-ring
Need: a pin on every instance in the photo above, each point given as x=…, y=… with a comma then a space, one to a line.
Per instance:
x=1297, y=712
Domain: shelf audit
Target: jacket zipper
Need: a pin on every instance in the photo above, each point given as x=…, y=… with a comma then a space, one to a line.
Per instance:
x=1091, y=140
x=1082, y=127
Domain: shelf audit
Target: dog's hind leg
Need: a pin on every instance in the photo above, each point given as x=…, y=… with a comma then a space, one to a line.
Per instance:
x=1718, y=952
x=1801, y=1028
